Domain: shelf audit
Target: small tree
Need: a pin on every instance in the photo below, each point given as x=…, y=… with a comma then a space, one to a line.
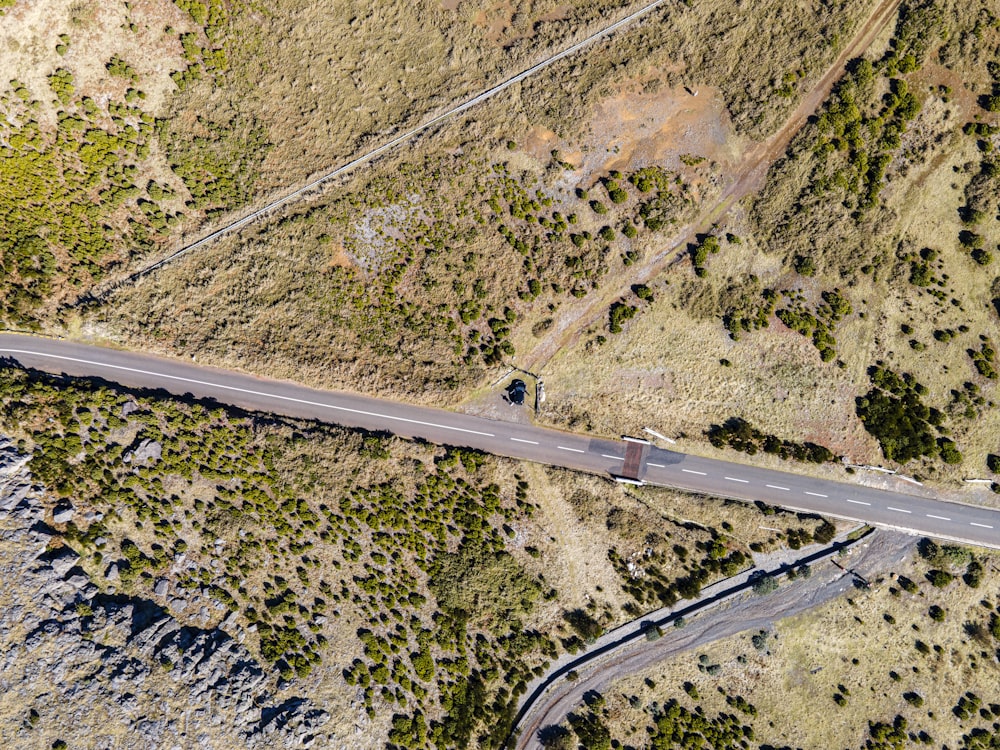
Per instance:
x=805, y=265
x=643, y=292
x=825, y=533
x=555, y=738
x=764, y=584
x=939, y=578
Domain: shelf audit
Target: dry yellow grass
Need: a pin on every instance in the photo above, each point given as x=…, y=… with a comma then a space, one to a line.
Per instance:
x=97, y=31
x=665, y=368
x=294, y=321
x=854, y=642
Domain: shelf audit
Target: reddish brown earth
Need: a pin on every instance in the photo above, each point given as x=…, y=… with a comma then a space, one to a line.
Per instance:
x=743, y=177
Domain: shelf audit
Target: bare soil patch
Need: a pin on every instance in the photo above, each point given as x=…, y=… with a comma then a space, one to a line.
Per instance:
x=742, y=179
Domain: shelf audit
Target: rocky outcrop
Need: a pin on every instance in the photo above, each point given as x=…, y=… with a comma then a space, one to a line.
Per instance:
x=146, y=453
x=112, y=671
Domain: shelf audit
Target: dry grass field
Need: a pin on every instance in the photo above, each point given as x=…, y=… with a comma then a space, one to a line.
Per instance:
x=914, y=265
x=904, y=648
x=152, y=118
x=412, y=279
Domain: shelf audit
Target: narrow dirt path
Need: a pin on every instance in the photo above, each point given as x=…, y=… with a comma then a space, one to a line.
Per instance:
x=267, y=205
x=742, y=612
x=746, y=178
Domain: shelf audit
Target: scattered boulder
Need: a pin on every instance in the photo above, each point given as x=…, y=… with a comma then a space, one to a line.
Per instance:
x=148, y=452
x=60, y=560
x=63, y=513
x=111, y=573
x=161, y=587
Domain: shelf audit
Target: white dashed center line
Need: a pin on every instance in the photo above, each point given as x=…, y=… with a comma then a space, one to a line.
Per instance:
x=692, y=471
x=858, y=502
x=564, y=448
x=940, y=518
x=776, y=487
x=529, y=442
x=605, y=455
x=650, y=463
x=980, y=525
x=235, y=389
x=816, y=494
x=735, y=479
x=898, y=510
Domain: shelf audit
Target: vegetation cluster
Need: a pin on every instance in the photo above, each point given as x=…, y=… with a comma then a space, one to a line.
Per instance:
x=739, y=434
x=78, y=200
x=894, y=412
x=326, y=534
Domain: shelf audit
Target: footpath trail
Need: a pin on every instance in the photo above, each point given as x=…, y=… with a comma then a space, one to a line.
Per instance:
x=236, y=224
x=720, y=615
x=746, y=178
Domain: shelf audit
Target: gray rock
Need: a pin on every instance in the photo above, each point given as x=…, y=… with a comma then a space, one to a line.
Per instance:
x=148, y=452
x=133, y=657
x=63, y=513
x=128, y=407
x=60, y=560
x=78, y=581
x=12, y=494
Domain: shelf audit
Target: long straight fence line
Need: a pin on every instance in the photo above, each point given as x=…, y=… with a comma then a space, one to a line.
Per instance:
x=235, y=226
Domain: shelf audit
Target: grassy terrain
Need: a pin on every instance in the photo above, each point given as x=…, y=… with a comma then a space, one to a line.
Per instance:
x=437, y=264
x=848, y=309
x=129, y=125
x=399, y=287
x=910, y=662
x=850, y=304
x=414, y=588
x=83, y=182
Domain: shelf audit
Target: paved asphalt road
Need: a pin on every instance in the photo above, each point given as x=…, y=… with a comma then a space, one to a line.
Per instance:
x=947, y=520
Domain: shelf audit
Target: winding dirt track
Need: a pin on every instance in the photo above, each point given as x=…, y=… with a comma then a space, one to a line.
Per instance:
x=746, y=178
x=744, y=612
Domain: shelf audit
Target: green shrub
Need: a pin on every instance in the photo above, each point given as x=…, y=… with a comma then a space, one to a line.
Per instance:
x=583, y=624
x=895, y=415
x=618, y=314
x=116, y=66
x=617, y=195
x=939, y=578
x=804, y=265
x=764, y=584
x=643, y=292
